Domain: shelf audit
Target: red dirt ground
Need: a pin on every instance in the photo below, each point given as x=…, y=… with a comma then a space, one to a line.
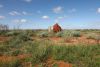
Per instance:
x=63, y=64
x=50, y=62
x=10, y=58
x=3, y=38
x=74, y=40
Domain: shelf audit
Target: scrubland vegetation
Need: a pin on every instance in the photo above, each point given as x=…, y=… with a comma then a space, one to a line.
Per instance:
x=40, y=48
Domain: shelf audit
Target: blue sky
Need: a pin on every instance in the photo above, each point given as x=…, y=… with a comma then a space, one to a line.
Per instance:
x=40, y=14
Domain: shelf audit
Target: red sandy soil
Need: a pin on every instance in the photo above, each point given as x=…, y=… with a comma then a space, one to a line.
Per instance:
x=74, y=40
x=10, y=58
x=63, y=64
x=19, y=57
x=4, y=38
x=50, y=62
x=7, y=58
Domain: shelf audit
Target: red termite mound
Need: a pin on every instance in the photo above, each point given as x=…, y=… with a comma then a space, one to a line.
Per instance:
x=56, y=28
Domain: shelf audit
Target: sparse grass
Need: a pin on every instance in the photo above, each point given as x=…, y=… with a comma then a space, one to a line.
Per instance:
x=91, y=36
x=41, y=50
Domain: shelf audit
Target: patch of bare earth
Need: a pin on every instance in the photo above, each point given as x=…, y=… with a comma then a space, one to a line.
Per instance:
x=63, y=64
x=4, y=38
x=74, y=40
x=10, y=58
x=50, y=62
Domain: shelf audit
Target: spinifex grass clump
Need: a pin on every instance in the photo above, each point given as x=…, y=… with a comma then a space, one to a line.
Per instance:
x=76, y=34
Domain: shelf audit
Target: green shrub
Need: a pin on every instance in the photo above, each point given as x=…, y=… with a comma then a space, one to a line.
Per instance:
x=76, y=34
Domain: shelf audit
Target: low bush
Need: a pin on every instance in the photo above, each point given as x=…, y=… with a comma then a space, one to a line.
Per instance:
x=76, y=34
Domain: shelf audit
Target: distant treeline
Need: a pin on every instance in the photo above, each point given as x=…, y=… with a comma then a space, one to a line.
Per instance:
x=4, y=27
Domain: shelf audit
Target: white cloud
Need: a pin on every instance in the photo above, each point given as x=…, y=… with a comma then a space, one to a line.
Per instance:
x=72, y=10
x=23, y=20
x=24, y=13
x=45, y=17
x=28, y=1
x=98, y=10
x=58, y=9
x=20, y=20
x=2, y=17
x=14, y=13
x=1, y=6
